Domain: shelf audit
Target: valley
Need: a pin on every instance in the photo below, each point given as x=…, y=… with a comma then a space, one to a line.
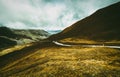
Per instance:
x=88, y=48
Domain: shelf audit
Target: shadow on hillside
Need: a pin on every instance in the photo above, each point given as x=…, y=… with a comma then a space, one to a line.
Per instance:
x=18, y=54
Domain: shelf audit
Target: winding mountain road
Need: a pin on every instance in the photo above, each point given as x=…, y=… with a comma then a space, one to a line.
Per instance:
x=67, y=45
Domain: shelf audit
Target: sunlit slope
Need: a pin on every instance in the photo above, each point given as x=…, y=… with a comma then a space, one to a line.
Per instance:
x=78, y=41
x=58, y=61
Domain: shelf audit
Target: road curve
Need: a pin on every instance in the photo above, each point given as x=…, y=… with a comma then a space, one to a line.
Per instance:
x=67, y=45
x=61, y=44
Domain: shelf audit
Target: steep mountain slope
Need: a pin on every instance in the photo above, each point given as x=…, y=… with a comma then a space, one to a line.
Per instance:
x=4, y=31
x=104, y=24
x=6, y=42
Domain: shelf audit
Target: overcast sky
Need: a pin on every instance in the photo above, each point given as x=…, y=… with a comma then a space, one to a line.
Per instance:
x=47, y=14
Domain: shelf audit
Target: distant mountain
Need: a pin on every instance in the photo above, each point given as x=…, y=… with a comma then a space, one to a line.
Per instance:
x=104, y=24
x=31, y=33
x=9, y=37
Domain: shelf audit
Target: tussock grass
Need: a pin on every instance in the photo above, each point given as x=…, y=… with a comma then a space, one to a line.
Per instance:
x=66, y=62
x=11, y=49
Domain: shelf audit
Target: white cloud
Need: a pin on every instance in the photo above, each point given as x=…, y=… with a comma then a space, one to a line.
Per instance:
x=47, y=14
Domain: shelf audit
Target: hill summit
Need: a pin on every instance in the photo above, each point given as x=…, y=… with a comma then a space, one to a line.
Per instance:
x=104, y=24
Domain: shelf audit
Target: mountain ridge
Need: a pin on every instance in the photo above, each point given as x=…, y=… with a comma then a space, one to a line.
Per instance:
x=101, y=25
x=11, y=37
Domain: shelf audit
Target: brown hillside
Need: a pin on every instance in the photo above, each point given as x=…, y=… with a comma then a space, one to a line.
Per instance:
x=104, y=24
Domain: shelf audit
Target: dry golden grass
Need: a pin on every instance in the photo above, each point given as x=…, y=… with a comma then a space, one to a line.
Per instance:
x=66, y=62
x=11, y=49
x=77, y=40
x=86, y=41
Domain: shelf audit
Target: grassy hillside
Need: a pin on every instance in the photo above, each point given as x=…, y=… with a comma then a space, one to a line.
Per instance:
x=10, y=37
x=78, y=41
x=102, y=25
x=6, y=42
x=55, y=61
